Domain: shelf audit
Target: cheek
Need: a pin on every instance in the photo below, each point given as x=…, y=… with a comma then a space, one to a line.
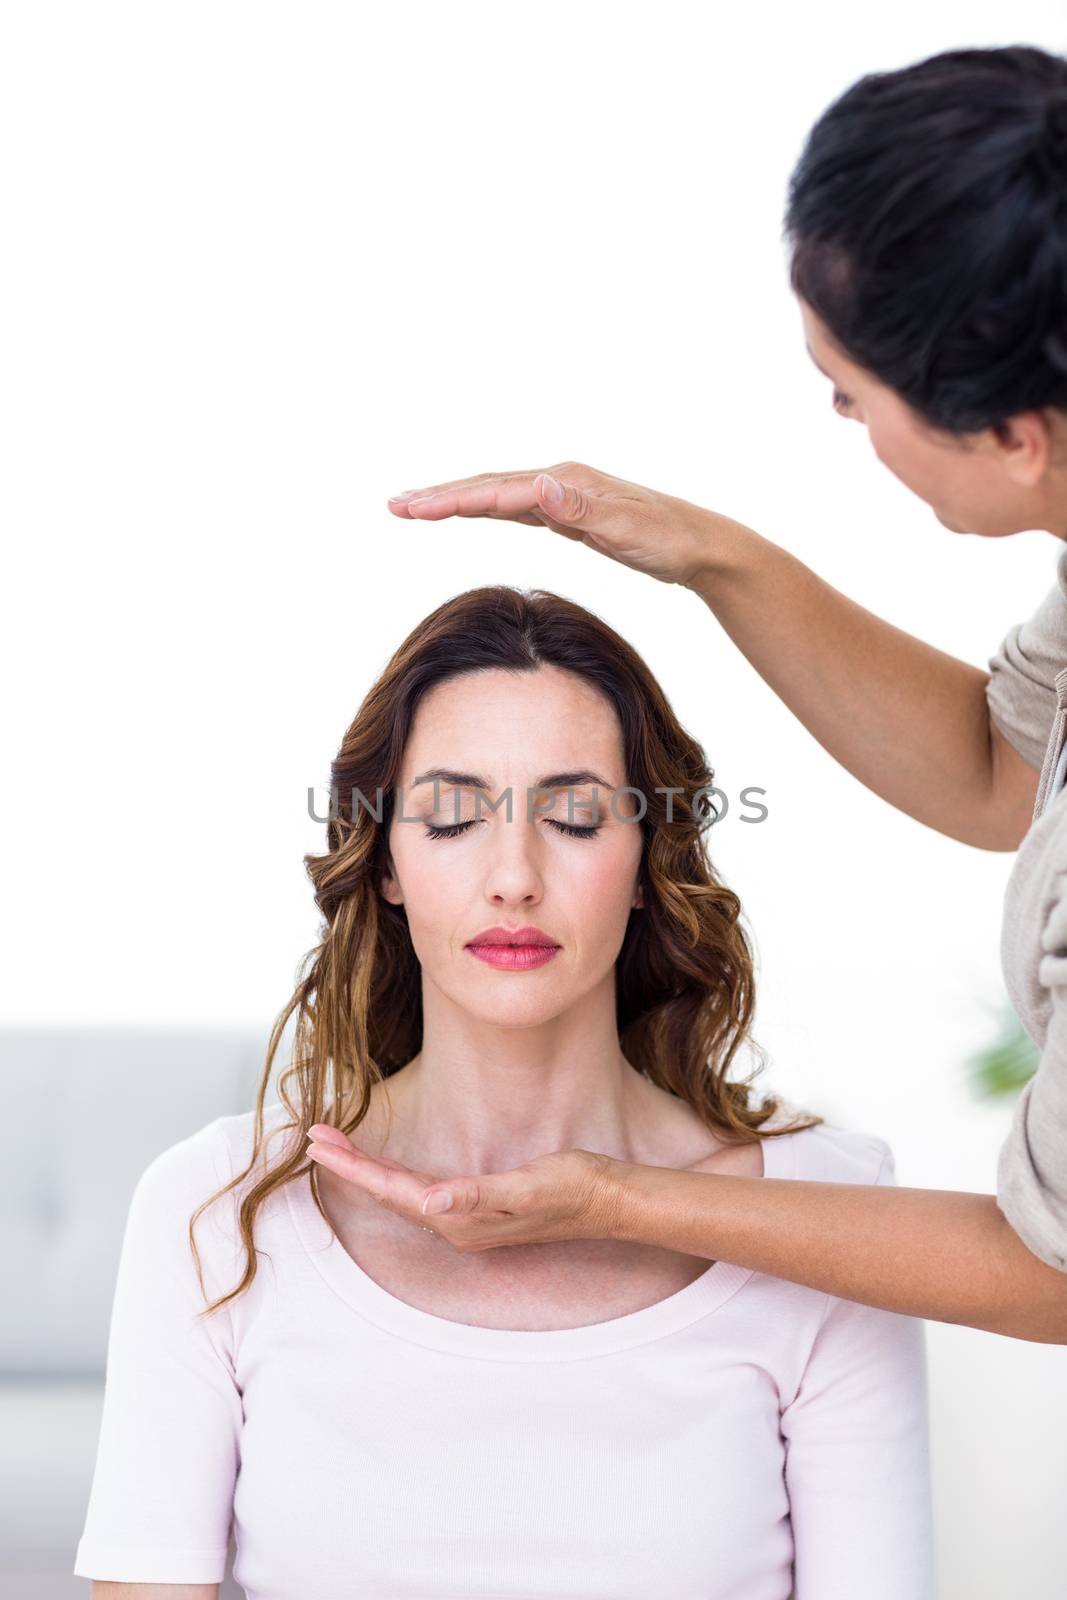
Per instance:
x=907, y=458
x=600, y=886
x=431, y=882
x=426, y=877
x=891, y=446
x=593, y=895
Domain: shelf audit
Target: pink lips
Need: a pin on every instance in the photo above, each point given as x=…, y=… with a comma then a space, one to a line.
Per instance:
x=514, y=958
x=513, y=949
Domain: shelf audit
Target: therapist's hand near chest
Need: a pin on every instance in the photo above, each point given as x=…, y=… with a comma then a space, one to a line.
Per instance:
x=933, y=752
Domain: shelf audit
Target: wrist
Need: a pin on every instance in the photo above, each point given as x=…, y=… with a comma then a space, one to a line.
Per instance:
x=724, y=550
x=625, y=1201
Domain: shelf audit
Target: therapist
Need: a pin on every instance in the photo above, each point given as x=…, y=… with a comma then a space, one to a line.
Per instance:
x=927, y=226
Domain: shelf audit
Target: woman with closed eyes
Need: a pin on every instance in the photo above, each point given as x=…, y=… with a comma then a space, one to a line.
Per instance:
x=525, y=949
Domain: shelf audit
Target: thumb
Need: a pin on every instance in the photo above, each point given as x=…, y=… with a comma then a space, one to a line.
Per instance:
x=562, y=500
x=462, y=1195
x=500, y=1192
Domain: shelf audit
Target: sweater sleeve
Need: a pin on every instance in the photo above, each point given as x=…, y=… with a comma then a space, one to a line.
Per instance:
x=161, y=1500
x=1021, y=692
x=857, y=1456
x=1032, y=1166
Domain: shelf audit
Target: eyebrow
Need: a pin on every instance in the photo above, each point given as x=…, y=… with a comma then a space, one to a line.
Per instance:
x=471, y=780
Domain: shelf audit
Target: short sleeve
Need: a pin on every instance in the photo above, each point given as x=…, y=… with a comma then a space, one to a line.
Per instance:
x=857, y=1456
x=1032, y=1166
x=161, y=1501
x=1021, y=693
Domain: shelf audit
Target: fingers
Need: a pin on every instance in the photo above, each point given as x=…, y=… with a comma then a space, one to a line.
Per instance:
x=452, y=483
x=477, y=478
x=390, y=1184
x=511, y=495
x=344, y=1159
x=492, y=1200
x=325, y=1133
x=387, y=1181
x=499, y=498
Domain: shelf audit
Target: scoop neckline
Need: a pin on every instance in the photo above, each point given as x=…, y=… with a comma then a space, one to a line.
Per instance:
x=712, y=1289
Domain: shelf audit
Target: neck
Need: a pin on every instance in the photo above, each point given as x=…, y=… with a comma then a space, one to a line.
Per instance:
x=484, y=1096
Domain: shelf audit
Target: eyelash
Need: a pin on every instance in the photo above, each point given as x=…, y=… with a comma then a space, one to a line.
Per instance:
x=839, y=400
x=455, y=828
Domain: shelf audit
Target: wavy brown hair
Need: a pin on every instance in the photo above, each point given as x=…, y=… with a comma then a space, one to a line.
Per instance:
x=684, y=994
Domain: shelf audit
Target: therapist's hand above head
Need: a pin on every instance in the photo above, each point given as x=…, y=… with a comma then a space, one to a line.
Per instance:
x=658, y=534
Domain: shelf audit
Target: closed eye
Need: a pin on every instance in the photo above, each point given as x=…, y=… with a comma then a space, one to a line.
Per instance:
x=454, y=828
x=840, y=402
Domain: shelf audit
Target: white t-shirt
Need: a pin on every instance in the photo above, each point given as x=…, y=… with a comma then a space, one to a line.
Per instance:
x=691, y=1450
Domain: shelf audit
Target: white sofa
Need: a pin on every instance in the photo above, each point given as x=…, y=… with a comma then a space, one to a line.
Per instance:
x=85, y=1110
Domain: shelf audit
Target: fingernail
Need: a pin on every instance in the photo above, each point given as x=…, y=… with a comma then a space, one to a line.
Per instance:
x=553, y=490
x=405, y=495
x=436, y=1203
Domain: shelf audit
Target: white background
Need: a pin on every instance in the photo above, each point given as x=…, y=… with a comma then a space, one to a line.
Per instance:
x=267, y=265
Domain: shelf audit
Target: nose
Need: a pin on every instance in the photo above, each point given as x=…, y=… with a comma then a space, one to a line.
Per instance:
x=514, y=874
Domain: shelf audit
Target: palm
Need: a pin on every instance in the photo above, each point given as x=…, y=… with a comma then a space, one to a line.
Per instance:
x=641, y=528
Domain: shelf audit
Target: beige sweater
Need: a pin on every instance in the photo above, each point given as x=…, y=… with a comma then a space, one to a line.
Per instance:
x=1027, y=696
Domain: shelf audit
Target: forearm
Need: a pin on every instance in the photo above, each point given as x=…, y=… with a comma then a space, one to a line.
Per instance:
x=906, y=719
x=943, y=1254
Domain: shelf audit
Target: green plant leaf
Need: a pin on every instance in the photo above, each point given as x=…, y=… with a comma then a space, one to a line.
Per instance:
x=1007, y=1064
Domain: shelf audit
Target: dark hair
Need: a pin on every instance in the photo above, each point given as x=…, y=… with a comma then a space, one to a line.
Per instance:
x=927, y=228
x=684, y=976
